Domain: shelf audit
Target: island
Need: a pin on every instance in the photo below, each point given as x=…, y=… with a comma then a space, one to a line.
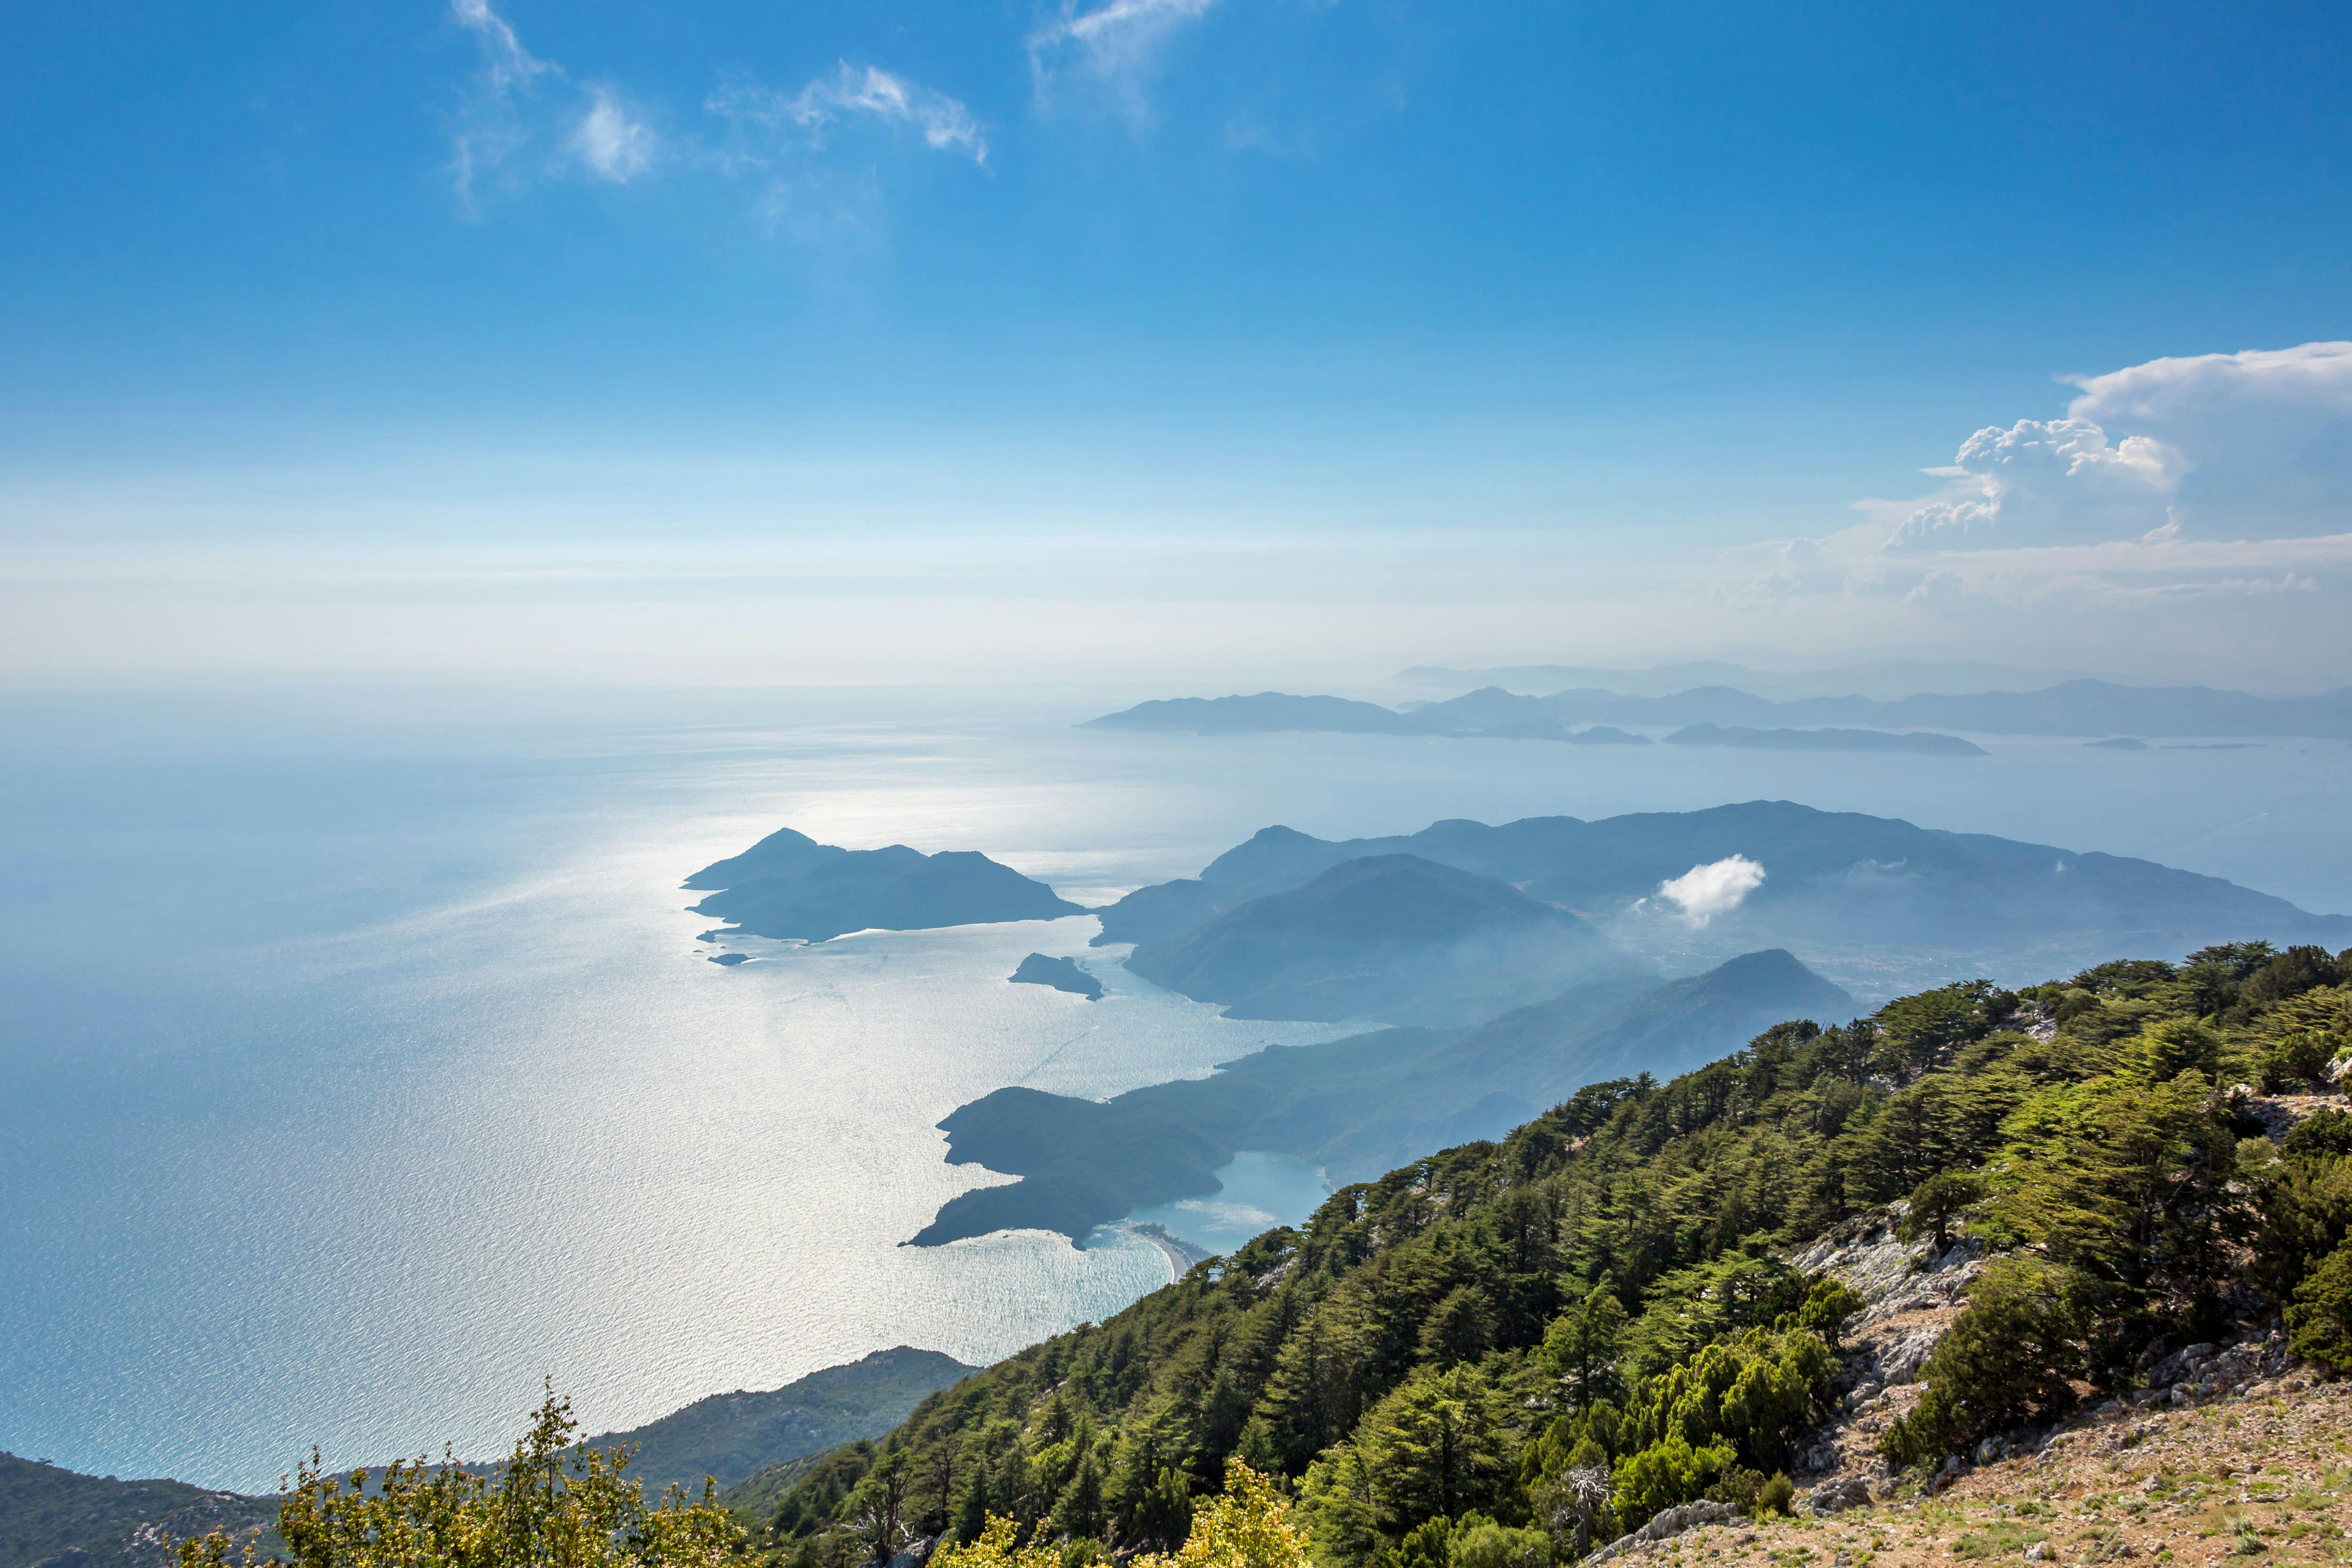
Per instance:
x=788, y=885
x=1061, y=973
x=2118, y=743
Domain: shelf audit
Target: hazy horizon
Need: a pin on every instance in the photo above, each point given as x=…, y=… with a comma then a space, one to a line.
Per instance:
x=1207, y=339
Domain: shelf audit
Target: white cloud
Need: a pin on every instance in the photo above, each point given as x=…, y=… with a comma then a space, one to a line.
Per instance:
x=1715, y=888
x=2218, y=474
x=507, y=108
x=505, y=62
x=614, y=141
x=2040, y=483
x=1117, y=44
x=946, y=125
x=490, y=128
x=2252, y=444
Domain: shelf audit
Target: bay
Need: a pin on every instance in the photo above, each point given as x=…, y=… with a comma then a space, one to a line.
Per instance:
x=359, y=1069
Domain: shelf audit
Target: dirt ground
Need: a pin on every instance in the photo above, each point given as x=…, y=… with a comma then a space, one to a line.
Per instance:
x=2257, y=1478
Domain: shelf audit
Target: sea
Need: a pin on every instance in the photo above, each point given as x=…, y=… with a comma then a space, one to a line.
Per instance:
x=361, y=1071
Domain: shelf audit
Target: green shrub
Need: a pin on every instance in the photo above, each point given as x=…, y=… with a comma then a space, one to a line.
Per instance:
x=2297, y=1061
x=1757, y=1393
x=2007, y=1356
x=1480, y=1543
x=2326, y=1133
x=1827, y=1306
x=1663, y=1475
x=548, y=1503
x=2319, y=1319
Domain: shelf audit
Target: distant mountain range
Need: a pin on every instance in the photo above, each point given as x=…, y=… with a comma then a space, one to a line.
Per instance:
x=1358, y=1106
x=2069, y=707
x=1874, y=902
x=789, y=885
x=1882, y=679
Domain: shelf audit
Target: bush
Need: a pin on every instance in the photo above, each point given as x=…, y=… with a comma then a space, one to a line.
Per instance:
x=1248, y=1527
x=1665, y=1474
x=2009, y=1355
x=1480, y=1543
x=2165, y=1050
x=548, y=1504
x=1755, y=1393
x=2319, y=1319
x=2305, y=1207
x=2327, y=1133
x=1827, y=1306
x=2299, y=1060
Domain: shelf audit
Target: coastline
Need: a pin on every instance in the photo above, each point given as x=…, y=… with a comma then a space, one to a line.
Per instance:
x=1181, y=1254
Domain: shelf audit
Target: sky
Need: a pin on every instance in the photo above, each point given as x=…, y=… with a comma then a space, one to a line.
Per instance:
x=1196, y=341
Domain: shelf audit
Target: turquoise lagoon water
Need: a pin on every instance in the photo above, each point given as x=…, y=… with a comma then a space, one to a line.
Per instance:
x=1255, y=1192
x=359, y=1067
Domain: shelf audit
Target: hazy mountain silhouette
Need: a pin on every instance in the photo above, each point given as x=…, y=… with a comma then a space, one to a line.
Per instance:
x=1358, y=1106
x=1876, y=902
x=2069, y=707
x=1388, y=936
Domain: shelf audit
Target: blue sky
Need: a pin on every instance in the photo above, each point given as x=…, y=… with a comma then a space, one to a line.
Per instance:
x=1429, y=331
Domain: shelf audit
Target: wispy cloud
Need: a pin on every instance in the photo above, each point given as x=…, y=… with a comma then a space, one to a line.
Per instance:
x=489, y=127
x=946, y=125
x=1116, y=45
x=505, y=62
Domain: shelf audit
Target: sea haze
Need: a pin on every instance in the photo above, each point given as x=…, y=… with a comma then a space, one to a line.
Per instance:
x=359, y=1067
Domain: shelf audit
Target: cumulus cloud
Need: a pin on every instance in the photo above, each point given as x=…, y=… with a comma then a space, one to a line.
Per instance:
x=1116, y=45
x=2251, y=444
x=2209, y=475
x=2040, y=482
x=1715, y=889
x=614, y=141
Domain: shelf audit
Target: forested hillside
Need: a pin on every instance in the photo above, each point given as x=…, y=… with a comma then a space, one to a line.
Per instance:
x=1509, y=1352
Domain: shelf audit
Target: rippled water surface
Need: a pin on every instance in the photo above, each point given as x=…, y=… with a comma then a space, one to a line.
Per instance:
x=359, y=1067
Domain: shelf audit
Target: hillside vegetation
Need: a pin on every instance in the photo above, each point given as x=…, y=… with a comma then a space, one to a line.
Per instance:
x=1512, y=1351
